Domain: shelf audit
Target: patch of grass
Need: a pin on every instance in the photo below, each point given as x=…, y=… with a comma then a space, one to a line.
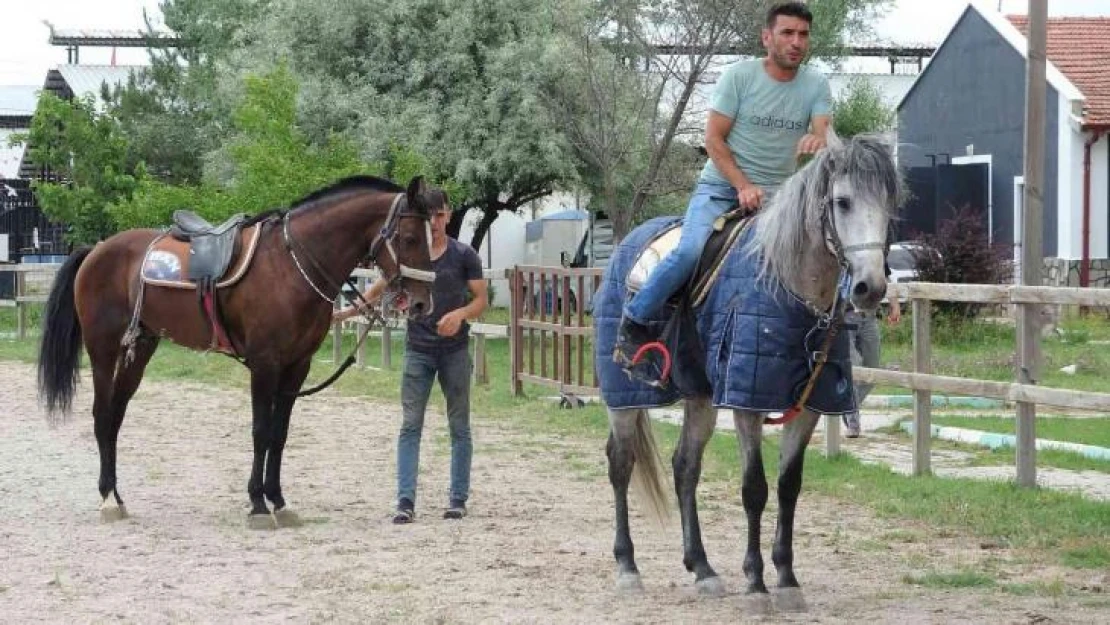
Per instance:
x=1054, y=589
x=1087, y=556
x=1084, y=430
x=958, y=579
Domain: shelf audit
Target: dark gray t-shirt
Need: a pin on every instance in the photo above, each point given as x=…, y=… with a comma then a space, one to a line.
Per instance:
x=454, y=269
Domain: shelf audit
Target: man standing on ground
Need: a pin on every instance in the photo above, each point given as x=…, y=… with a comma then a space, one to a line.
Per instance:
x=764, y=113
x=436, y=345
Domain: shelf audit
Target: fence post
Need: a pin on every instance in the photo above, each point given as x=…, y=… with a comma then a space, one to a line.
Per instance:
x=922, y=399
x=481, y=374
x=20, y=307
x=832, y=435
x=516, y=333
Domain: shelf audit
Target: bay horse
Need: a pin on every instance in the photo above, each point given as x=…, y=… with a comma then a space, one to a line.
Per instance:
x=820, y=240
x=275, y=316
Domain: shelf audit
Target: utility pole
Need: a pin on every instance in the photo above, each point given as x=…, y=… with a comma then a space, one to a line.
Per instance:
x=1032, y=248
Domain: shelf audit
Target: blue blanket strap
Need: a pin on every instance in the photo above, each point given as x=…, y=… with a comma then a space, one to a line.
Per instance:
x=819, y=358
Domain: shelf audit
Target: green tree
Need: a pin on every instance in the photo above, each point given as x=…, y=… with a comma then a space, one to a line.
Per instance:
x=861, y=109
x=266, y=163
x=459, y=82
x=87, y=157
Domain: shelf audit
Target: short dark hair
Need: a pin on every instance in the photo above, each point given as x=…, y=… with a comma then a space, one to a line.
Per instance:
x=790, y=9
x=436, y=199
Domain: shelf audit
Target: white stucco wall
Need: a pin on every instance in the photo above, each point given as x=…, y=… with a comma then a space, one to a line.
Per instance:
x=1100, y=198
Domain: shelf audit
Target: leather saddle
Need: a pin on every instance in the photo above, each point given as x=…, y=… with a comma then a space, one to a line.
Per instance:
x=726, y=230
x=211, y=247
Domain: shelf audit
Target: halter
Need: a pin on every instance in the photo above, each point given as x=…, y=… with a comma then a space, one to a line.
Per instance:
x=385, y=236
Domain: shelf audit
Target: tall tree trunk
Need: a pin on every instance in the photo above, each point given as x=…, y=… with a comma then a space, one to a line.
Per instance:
x=665, y=141
x=454, y=226
x=621, y=216
x=489, y=215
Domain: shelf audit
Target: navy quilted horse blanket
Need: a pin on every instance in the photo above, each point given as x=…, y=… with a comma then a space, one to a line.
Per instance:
x=758, y=339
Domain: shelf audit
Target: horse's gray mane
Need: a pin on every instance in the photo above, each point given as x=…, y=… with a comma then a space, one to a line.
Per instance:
x=781, y=226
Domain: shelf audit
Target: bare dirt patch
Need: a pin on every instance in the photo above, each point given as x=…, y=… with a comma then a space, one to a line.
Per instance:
x=536, y=547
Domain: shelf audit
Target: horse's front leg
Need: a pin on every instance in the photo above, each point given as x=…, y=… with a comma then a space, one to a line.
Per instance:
x=697, y=428
x=792, y=451
x=753, y=491
x=291, y=380
x=264, y=385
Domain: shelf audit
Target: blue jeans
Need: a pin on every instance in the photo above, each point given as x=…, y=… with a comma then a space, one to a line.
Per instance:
x=709, y=202
x=453, y=369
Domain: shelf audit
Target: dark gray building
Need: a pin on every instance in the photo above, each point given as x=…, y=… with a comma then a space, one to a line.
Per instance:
x=961, y=132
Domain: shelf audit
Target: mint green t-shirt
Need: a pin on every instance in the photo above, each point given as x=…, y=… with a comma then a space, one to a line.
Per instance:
x=769, y=118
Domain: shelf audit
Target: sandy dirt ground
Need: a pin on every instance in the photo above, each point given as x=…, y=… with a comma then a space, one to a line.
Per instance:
x=536, y=547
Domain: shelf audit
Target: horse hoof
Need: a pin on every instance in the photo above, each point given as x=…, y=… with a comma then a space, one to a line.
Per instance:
x=790, y=600
x=629, y=583
x=261, y=522
x=710, y=587
x=284, y=517
x=110, y=511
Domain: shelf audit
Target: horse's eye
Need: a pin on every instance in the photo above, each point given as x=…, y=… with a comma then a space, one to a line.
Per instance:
x=844, y=204
x=409, y=240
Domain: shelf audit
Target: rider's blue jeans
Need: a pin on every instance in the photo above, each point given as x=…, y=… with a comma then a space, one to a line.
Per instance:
x=421, y=369
x=708, y=203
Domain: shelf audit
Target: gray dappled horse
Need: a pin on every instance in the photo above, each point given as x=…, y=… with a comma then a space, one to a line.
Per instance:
x=824, y=233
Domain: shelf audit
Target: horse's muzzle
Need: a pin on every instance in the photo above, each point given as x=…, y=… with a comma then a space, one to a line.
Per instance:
x=866, y=294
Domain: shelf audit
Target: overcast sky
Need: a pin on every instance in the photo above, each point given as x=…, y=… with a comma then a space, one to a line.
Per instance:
x=25, y=54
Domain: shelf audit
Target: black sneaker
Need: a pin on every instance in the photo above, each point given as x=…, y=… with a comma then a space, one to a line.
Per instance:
x=631, y=336
x=456, y=510
x=406, y=512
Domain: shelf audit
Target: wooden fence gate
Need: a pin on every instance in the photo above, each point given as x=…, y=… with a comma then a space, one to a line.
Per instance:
x=549, y=316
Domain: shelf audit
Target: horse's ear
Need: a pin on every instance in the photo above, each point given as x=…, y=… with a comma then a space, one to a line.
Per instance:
x=415, y=193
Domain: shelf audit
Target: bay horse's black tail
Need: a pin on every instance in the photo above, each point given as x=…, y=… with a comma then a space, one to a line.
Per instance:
x=60, y=350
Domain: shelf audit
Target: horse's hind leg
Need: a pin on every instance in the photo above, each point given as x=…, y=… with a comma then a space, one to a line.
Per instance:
x=753, y=491
x=621, y=454
x=697, y=428
x=795, y=438
x=115, y=380
x=291, y=381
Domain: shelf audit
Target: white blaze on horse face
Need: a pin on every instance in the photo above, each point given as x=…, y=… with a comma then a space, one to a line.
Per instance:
x=862, y=229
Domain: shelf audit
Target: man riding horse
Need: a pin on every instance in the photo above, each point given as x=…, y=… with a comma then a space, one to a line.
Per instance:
x=764, y=113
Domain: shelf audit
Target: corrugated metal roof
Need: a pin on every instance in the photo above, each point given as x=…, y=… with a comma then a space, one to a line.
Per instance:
x=10, y=157
x=18, y=100
x=87, y=79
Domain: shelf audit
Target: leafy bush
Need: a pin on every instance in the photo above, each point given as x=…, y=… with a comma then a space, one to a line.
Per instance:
x=960, y=253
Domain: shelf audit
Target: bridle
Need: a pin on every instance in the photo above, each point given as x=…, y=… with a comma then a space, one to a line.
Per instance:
x=398, y=209
x=840, y=252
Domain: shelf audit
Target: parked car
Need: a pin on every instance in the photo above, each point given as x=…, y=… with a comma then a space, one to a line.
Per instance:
x=900, y=259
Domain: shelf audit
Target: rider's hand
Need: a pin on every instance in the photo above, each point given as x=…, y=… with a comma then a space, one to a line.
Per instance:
x=450, y=323
x=750, y=197
x=810, y=144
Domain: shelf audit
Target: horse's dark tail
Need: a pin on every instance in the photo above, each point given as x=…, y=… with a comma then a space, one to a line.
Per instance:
x=60, y=350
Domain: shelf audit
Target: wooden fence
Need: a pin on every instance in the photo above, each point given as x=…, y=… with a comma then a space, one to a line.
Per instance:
x=923, y=383
x=548, y=317
x=24, y=277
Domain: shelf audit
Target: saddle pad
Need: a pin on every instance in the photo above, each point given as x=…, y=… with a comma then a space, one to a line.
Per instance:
x=758, y=339
x=167, y=261
x=725, y=232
